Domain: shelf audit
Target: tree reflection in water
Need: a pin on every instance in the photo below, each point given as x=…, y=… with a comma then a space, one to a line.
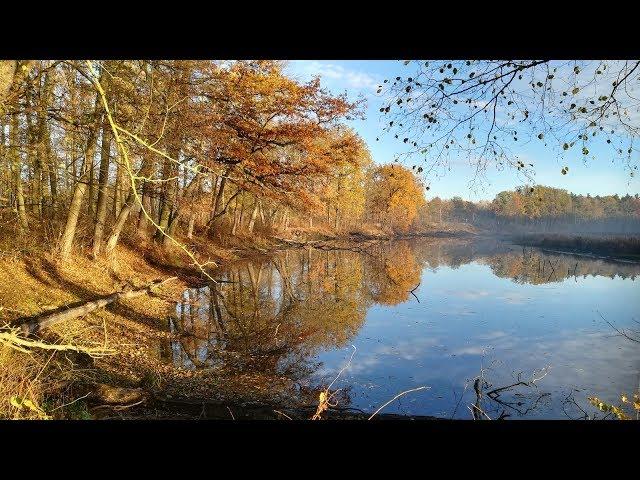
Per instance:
x=276, y=315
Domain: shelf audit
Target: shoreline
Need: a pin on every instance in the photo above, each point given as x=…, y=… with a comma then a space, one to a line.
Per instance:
x=137, y=328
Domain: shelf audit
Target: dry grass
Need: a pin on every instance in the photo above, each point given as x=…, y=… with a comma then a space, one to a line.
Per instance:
x=19, y=379
x=35, y=284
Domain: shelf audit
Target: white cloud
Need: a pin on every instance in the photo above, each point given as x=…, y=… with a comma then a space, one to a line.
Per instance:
x=493, y=335
x=347, y=78
x=468, y=294
x=470, y=351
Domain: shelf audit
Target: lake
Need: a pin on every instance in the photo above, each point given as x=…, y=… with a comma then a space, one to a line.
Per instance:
x=491, y=328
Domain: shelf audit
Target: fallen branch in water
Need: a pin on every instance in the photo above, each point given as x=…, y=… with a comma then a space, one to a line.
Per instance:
x=33, y=325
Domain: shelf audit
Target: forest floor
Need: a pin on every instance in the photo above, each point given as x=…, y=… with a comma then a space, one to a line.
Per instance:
x=137, y=380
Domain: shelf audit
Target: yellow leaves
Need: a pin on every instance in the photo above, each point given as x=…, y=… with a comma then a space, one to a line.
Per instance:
x=607, y=408
x=25, y=403
x=395, y=195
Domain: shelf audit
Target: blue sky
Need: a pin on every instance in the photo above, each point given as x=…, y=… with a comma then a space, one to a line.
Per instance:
x=599, y=176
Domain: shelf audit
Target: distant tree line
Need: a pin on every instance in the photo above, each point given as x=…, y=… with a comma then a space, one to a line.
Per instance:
x=540, y=208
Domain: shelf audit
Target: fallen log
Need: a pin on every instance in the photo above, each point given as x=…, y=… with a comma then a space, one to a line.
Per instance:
x=35, y=324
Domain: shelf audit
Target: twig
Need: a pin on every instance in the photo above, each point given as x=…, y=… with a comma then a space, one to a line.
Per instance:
x=397, y=396
x=124, y=407
x=283, y=414
x=621, y=332
x=323, y=403
x=480, y=410
x=70, y=403
x=413, y=290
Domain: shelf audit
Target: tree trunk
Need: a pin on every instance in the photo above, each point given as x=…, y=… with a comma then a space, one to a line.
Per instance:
x=43, y=149
x=169, y=170
x=117, y=191
x=17, y=166
x=254, y=215
x=148, y=207
x=36, y=324
x=78, y=193
x=103, y=192
x=235, y=217
x=171, y=229
x=219, y=196
x=33, y=150
x=192, y=221
x=130, y=206
x=90, y=203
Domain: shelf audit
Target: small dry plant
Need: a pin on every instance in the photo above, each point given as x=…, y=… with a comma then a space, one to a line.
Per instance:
x=326, y=395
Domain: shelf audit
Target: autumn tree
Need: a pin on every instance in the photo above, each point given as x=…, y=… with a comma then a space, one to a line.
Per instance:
x=394, y=196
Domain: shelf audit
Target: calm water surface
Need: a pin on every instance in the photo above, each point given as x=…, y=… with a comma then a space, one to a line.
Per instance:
x=436, y=313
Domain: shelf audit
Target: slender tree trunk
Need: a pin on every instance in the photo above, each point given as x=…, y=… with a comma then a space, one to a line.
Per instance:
x=147, y=189
x=32, y=146
x=218, y=203
x=192, y=222
x=90, y=201
x=169, y=196
x=241, y=210
x=43, y=148
x=17, y=166
x=171, y=229
x=117, y=191
x=235, y=217
x=192, y=216
x=103, y=191
x=254, y=215
x=130, y=207
x=66, y=240
x=148, y=206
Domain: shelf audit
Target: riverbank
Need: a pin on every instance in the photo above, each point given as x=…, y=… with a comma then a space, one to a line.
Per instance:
x=616, y=247
x=62, y=384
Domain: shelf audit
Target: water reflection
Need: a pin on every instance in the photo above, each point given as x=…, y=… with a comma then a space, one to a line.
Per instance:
x=484, y=307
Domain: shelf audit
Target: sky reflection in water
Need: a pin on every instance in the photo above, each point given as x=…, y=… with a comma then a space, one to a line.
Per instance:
x=516, y=314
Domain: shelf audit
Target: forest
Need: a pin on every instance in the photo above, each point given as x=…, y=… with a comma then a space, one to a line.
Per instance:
x=170, y=150
x=541, y=209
